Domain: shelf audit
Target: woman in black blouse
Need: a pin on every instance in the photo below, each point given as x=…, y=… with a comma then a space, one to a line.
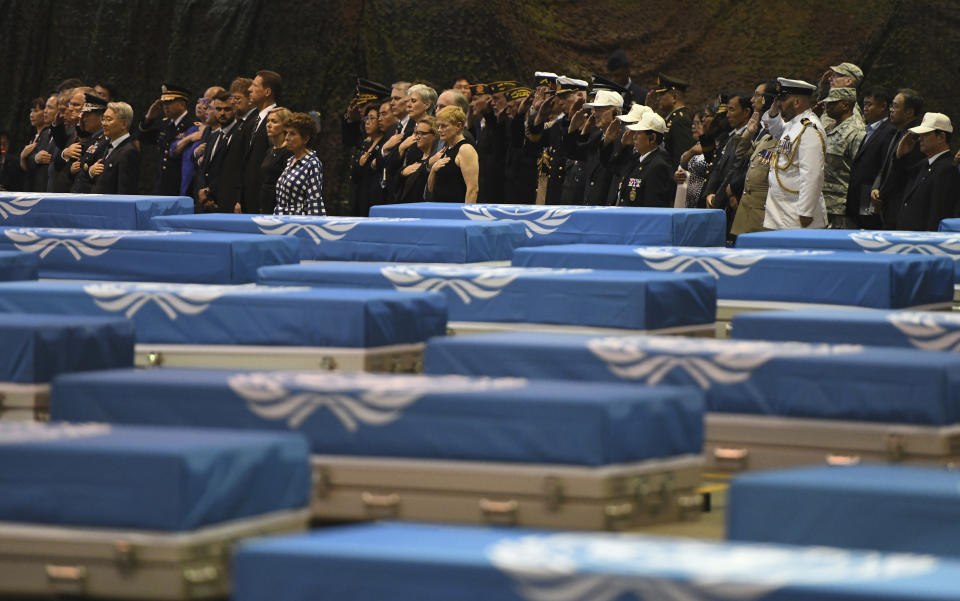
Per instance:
x=365, y=167
x=415, y=169
x=455, y=169
x=275, y=160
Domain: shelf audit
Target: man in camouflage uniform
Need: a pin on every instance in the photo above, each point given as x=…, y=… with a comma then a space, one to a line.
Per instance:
x=843, y=138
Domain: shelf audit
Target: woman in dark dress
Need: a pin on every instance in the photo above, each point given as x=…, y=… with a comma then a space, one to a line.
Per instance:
x=365, y=167
x=275, y=160
x=454, y=171
x=415, y=170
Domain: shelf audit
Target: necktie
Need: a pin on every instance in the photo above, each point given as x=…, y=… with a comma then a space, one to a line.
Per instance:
x=400, y=127
x=216, y=142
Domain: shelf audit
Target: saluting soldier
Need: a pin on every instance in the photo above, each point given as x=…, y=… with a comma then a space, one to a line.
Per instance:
x=569, y=96
x=650, y=182
x=92, y=148
x=164, y=133
x=795, y=197
x=670, y=105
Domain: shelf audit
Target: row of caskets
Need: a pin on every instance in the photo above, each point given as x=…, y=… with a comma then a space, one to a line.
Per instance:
x=144, y=479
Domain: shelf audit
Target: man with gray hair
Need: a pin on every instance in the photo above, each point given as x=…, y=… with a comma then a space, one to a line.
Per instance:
x=118, y=172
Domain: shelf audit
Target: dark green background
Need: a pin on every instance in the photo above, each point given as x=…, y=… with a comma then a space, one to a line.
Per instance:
x=319, y=47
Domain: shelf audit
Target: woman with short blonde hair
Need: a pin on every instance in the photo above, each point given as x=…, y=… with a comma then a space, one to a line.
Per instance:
x=455, y=169
x=275, y=159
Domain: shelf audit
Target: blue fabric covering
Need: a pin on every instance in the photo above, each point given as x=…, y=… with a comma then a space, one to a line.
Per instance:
x=426, y=562
x=788, y=379
x=149, y=256
x=583, y=297
x=924, y=243
x=366, y=239
x=888, y=508
x=452, y=417
x=94, y=211
x=289, y=316
x=823, y=277
x=170, y=479
x=928, y=330
x=16, y=266
x=35, y=348
x=950, y=225
x=575, y=224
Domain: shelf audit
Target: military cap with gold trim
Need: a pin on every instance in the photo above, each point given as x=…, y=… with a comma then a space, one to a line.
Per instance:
x=545, y=78
x=665, y=84
x=566, y=85
x=93, y=104
x=369, y=91
x=518, y=93
x=496, y=87
x=792, y=87
x=170, y=92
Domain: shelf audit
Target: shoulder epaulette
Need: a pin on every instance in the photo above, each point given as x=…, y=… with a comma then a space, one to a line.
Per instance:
x=806, y=121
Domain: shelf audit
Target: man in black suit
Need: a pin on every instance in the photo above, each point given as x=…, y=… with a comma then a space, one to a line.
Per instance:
x=869, y=158
x=265, y=92
x=933, y=187
x=618, y=71
x=118, y=172
x=729, y=168
x=650, y=182
x=164, y=133
x=224, y=143
x=889, y=185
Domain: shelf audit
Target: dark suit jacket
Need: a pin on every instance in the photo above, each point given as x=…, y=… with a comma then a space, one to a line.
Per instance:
x=931, y=195
x=256, y=149
x=212, y=166
x=650, y=183
x=121, y=171
x=164, y=133
x=728, y=169
x=866, y=166
x=893, y=181
x=679, y=137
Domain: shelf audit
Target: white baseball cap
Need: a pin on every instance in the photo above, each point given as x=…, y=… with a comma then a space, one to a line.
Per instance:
x=933, y=122
x=649, y=122
x=636, y=111
x=604, y=99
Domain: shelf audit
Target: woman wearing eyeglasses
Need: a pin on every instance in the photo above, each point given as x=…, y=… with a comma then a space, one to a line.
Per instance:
x=454, y=171
x=416, y=169
x=365, y=167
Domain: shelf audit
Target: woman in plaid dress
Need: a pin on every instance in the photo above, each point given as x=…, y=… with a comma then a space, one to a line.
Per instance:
x=300, y=187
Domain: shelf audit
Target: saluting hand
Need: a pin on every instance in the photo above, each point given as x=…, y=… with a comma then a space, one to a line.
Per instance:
x=155, y=110
x=353, y=110
x=613, y=130
x=525, y=105
x=577, y=120
x=96, y=169
x=906, y=145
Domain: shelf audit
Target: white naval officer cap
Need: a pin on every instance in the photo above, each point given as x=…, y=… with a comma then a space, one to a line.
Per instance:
x=650, y=121
x=789, y=87
x=636, y=111
x=933, y=122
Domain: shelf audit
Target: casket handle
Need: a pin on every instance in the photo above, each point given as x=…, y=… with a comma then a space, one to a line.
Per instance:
x=381, y=504
x=839, y=459
x=503, y=511
x=66, y=579
x=731, y=458
x=155, y=359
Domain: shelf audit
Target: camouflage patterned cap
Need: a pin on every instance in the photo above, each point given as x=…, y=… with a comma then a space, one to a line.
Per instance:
x=840, y=94
x=849, y=70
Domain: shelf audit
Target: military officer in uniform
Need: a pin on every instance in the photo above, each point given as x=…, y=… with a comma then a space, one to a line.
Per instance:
x=164, y=133
x=795, y=197
x=650, y=182
x=679, y=138
x=92, y=148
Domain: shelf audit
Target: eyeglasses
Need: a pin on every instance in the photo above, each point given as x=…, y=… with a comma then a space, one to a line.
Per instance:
x=422, y=133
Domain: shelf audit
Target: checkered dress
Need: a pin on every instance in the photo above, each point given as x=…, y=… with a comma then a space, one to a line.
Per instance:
x=300, y=187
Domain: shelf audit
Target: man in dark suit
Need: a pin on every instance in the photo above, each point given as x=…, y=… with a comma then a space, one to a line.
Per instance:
x=729, y=168
x=224, y=143
x=618, y=71
x=650, y=182
x=933, y=187
x=164, y=133
x=889, y=185
x=869, y=158
x=118, y=172
x=265, y=92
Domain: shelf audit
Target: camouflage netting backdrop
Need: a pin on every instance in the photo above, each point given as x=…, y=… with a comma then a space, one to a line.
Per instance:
x=320, y=47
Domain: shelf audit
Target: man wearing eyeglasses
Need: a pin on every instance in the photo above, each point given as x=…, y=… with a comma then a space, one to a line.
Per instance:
x=172, y=104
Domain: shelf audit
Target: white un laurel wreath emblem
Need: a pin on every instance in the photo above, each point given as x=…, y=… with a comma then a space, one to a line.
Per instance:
x=172, y=299
x=19, y=205
x=924, y=243
x=577, y=567
x=928, y=331
x=536, y=221
x=78, y=242
x=715, y=261
x=467, y=283
x=317, y=229
x=353, y=398
x=705, y=361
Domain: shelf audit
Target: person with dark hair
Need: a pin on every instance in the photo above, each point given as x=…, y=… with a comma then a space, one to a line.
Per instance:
x=265, y=92
x=222, y=144
x=718, y=191
x=118, y=172
x=39, y=123
x=462, y=85
x=618, y=71
x=890, y=184
x=300, y=186
x=93, y=143
x=69, y=84
x=172, y=104
x=36, y=161
x=68, y=138
x=650, y=182
x=869, y=158
x=9, y=165
x=107, y=91
x=365, y=167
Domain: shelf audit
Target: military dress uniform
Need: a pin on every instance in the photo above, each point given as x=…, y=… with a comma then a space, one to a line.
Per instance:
x=165, y=133
x=96, y=147
x=751, y=210
x=796, y=175
x=679, y=136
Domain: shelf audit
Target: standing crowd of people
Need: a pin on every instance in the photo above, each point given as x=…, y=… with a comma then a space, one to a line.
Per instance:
x=785, y=154
x=238, y=151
